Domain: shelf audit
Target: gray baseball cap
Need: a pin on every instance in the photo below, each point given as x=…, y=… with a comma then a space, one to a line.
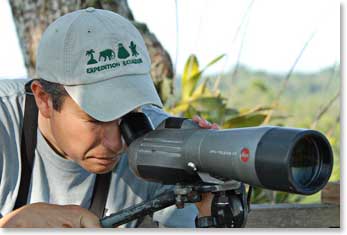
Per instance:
x=102, y=61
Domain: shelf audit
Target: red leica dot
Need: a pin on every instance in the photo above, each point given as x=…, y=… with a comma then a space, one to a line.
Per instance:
x=244, y=155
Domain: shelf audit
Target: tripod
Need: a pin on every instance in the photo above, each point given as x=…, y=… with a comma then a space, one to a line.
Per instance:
x=230, y=205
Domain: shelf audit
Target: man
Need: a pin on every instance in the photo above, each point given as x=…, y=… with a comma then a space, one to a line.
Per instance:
x=93, y=68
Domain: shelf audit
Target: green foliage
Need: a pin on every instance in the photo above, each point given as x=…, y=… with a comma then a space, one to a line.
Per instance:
x=197, y=98
x=191, y=76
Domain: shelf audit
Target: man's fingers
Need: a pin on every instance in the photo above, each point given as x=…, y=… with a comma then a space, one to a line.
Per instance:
x=196, y=119
x=44, y=215
x=204, y=123
x=89, y=222
x=82, y=217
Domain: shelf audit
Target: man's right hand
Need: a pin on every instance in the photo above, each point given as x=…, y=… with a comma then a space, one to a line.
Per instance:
x=43, y=215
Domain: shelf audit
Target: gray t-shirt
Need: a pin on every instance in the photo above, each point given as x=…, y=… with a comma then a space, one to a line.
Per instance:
x=60, y=181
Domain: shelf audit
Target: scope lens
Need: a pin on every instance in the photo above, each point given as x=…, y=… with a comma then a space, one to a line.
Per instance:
x=305, y=161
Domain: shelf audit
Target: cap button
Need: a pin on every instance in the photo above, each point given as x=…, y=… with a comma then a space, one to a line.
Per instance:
x=90, y=9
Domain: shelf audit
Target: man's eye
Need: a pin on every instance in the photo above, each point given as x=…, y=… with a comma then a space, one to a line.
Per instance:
x=100, y=122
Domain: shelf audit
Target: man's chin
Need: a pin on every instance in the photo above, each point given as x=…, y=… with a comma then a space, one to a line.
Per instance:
x=100, y=168
x=101, y=171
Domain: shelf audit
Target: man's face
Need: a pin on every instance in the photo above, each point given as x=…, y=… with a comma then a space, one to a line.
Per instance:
x=94, y=145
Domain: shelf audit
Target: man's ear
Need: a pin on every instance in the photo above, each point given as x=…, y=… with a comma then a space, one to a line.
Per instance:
x=43, y=99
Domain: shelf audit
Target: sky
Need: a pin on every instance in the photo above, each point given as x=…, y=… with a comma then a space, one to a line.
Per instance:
x=273, y=32
x=264, y=35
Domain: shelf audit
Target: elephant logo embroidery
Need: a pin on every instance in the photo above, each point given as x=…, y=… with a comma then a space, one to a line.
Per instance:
x=106, y=54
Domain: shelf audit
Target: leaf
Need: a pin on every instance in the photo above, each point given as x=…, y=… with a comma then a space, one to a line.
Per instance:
x=191, y=112
x=260, y=108
x=205, y=104
x=279, y=117
x=190, y=76
x=202, y=90
x=215, y=115
x=229, y=113
x=212, y=62
x=256, y=109
x=245, y=121
x=165, y=88
x=180, y=108
x=199, y=91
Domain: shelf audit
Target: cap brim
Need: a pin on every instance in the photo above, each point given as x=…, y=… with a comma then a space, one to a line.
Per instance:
x=110, y=99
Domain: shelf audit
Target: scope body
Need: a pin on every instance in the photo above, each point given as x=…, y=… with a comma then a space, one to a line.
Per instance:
x=277, y=158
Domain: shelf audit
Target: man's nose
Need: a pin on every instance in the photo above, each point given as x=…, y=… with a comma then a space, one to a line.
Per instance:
x=112, y=137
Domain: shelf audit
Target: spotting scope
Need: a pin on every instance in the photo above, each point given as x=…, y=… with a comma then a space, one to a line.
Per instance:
x=178, y=151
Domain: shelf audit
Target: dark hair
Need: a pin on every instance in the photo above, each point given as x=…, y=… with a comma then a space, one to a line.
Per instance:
x=57, y=92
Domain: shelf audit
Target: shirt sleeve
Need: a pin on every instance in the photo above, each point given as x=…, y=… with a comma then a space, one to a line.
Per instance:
x=155, y=114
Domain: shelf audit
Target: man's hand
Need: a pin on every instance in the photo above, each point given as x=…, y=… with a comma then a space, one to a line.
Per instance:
x=204, y=124
x=204, y=206
x=43, y=215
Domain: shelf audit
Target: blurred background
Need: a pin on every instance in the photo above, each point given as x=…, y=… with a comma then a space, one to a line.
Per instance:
x=237, y=63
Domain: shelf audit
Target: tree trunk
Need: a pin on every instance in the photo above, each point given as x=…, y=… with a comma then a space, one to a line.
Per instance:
x=32, y=17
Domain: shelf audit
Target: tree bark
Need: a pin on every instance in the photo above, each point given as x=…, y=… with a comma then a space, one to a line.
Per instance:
x=31, y=18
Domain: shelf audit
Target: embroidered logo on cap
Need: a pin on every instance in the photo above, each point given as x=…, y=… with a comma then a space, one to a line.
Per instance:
x=109, y=55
